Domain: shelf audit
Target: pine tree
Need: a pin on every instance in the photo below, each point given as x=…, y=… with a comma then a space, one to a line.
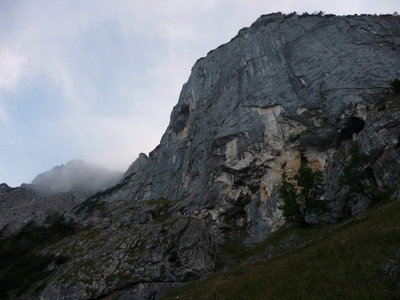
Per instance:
x=301, y=195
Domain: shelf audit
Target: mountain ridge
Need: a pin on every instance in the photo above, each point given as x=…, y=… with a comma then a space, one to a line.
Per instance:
x=55, y=191
x=76, y=176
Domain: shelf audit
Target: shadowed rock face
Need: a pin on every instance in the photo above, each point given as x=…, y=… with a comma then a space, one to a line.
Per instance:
x=284, y=89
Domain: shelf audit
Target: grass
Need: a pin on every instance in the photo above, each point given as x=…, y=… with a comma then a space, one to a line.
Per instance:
x=90, y=205
x=161, y=202
x=161, y=206
x=344, y=261
x=390, y=103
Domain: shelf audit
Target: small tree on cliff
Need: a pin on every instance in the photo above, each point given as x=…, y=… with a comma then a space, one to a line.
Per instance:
x=301, y=195
x=395, y=84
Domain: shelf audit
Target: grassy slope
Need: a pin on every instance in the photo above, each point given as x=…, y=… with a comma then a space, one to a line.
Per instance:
x=344, y=261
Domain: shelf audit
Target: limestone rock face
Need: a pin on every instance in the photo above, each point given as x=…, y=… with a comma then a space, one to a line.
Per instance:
x=282, y=90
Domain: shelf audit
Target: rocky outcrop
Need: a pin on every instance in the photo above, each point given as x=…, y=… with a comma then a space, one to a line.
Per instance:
x=130, y=253
x=285, y=89
x=55, y=191
x=21, y=205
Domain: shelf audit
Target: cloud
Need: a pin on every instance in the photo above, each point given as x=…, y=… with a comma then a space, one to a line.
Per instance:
x=11, y=64
x=3, y=115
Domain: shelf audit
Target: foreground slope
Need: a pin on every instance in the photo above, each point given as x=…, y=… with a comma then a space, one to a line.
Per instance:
x=358, y=259
x=286, y=89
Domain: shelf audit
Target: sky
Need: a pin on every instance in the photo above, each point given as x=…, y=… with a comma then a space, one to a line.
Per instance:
x=97, y=79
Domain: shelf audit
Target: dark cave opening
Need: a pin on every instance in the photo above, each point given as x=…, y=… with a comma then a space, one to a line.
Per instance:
x=353, y=125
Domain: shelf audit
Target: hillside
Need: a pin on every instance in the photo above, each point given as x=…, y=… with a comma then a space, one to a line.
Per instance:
x=356, y=259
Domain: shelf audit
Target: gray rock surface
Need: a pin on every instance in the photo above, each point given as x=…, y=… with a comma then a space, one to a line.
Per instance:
x=21, y=205
x=284, y=89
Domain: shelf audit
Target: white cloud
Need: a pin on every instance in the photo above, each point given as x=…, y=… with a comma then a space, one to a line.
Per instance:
x=11, y=63
x=11, y=67
x=3, y=115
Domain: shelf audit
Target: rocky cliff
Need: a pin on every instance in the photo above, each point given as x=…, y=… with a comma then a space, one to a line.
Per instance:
x=286, y=89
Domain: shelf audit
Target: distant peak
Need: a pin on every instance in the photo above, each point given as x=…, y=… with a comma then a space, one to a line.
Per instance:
x=4, y=187
x=76, y=162
x=76, y=175
x=266, y=19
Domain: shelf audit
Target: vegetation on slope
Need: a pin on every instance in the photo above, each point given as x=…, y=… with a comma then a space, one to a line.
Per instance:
x=358, y=259
x=21, y=263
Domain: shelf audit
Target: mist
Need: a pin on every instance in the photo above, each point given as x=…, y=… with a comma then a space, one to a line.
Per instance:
x=76, y=176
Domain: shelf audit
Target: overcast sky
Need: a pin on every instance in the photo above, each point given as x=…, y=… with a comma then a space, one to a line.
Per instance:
x=97, y=79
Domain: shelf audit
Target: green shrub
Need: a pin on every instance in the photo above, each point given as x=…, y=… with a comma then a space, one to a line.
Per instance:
x=354, y=175
x=161, y=209
x=24, y=272
x=61, y=259
x=90, y=205
x=254, y=188
x=395, y=84
x=52, y=218
x=242, y=201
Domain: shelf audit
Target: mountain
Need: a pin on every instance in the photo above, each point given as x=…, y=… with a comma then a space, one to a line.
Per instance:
x=76, y=176
x=288, y=89
x=55, y=191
